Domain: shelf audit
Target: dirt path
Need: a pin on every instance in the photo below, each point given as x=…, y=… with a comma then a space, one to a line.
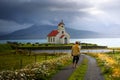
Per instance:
x=65, y=73
x=93, y=72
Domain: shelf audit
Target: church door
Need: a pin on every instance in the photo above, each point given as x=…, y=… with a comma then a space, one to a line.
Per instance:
x=65, y=40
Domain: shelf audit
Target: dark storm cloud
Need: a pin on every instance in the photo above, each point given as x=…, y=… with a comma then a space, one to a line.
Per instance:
x=32, y=10
x=82, y=14
x=19, y=14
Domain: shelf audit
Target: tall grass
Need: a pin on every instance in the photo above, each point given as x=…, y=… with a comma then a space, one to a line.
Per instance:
x=10, y=61
x=17, y=61
x=5, y=47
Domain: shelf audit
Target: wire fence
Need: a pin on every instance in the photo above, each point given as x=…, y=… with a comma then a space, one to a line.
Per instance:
x=18, y=61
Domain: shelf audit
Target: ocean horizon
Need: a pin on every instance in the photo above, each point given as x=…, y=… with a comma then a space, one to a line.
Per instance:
x=110, y=42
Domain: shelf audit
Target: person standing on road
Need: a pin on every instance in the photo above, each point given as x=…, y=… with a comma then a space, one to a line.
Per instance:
x=75, y=52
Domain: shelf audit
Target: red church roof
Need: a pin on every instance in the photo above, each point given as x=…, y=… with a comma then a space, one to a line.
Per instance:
x=53, y=33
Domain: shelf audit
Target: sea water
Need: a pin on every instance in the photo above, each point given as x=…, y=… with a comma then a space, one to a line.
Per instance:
x=110, y=42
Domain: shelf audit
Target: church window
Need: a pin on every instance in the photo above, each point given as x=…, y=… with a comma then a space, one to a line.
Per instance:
x=62, y=32
x=53, y=39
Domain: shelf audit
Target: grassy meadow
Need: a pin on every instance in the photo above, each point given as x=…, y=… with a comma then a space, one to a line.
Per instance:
x=14, y=62
x=10, y=60
x=17, y=61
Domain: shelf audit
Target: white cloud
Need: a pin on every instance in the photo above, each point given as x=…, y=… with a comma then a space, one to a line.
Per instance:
x=93, y=11
x=46, y=22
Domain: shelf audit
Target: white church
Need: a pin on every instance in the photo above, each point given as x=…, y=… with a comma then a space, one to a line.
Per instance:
x=59, y=36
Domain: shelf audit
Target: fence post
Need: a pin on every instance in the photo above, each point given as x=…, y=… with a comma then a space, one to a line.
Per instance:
x=20, y=63
x=35, y=58
x=46, y=56
x=113, y=51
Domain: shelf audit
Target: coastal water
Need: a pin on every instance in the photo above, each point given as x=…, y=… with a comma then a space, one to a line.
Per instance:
x=110, y=42
x=69, y=51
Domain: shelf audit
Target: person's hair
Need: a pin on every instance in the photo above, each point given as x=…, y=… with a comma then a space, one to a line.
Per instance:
x=76, y=42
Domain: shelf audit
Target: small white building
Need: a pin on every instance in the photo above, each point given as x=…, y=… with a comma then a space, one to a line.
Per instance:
x=59, y=36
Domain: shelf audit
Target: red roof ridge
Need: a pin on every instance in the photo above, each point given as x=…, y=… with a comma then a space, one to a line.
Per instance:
x=53, y=33
x=62, y=36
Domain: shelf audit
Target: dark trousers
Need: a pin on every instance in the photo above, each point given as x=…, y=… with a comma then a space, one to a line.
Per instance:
x=75, y=59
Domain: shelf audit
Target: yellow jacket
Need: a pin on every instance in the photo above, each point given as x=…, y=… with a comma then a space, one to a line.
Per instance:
x=75, y=50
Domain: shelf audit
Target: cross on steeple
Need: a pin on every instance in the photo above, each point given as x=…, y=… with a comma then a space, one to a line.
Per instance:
x=61, y=23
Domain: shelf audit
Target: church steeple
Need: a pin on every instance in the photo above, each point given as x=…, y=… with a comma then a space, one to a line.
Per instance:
x=61, y=23
x=61, y=26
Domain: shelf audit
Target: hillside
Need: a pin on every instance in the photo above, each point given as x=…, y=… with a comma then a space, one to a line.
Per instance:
x=41, y=31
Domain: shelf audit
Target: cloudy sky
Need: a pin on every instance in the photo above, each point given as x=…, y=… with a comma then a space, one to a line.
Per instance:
x=94, y=15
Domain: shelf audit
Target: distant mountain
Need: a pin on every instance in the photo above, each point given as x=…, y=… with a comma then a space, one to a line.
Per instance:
x=41, y=32
x=82, y=33
x=3, y=33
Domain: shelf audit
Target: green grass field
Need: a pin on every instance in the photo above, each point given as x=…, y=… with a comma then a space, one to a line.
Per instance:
x=17, y=61
x=12, y=61
x=28, y=44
